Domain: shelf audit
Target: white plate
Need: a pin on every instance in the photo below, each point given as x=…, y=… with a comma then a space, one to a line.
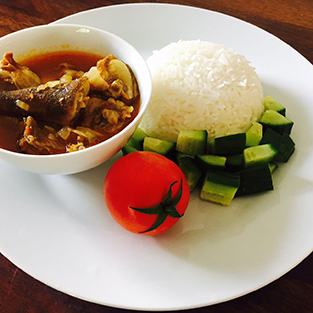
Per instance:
x=57, y=228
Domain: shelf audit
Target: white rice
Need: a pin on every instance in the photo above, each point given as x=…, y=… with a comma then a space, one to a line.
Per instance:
x=201, y=85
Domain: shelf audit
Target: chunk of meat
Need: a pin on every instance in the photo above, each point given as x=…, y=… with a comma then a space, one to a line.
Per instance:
x=52, y=103
x=108, y=115
x=79, y=138
x=36, y=140
x=47, y=140
x=68, y=73
x=114, y=77
x=16, y=76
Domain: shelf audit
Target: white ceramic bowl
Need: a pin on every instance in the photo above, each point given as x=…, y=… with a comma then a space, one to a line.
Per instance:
x=59, y=37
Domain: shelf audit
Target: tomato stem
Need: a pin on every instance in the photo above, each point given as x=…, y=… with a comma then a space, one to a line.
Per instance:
x=166, y=208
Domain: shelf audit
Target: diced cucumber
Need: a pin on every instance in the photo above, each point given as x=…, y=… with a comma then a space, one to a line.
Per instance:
x=228, y=166
x=271, y=136
x=209, y=161
x=284, y=145
x=254, y=134
x=211, y=147
x=192, y=141
x=139, y=134
x=191, y=171
x=273, y=166
x=259, y=155
x=285, y=149
x=134, y=144
x=234, y=163
x=179, y=155
x=127, y=149
x=220, y=187
x=157, y=145
x=274, y=120
x=271, y=104
x=137, y=138
x=228, y=145
x=255, y=180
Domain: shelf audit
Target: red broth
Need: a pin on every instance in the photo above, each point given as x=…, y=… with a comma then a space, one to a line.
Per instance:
x=10, y=130
x=46, y=66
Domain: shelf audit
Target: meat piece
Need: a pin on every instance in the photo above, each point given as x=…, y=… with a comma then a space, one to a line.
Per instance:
x=68, y=73
x=47, y=140
x=52, y=103
x=79, y=138
x=36, y=140
x=113, y=77
x=16, y=76
x=109, y=115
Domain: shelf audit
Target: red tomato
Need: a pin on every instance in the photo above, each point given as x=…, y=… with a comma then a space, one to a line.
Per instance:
x=143, y=180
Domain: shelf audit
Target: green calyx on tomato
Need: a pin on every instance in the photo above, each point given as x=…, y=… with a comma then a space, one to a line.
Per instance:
x=166, y=208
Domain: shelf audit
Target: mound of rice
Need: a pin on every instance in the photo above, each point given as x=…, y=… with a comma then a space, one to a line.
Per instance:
x=201, y=85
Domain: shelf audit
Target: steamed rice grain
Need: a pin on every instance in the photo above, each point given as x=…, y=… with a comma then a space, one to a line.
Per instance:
x=201, y=85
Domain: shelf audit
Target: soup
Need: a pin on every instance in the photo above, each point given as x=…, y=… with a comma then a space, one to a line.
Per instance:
x=63, y=102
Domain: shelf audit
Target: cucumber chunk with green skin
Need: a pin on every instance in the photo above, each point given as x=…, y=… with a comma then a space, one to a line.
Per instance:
x=191, y=171
x=284, y=144
x=273, y=166
x=139, y=134
x=234, y=163
x=285, y=149
x=192, y=142
x=135, y=144
x=254, y=134
x=255, y=180
x=127, y=149
x=277, y=122
x=209, y=161
x=211, y=147
x=179, y=155
x=228, y=145
x=271, y=104
x=259, y=155
x=137, y=139
x=162, y=147
x=220, y=187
